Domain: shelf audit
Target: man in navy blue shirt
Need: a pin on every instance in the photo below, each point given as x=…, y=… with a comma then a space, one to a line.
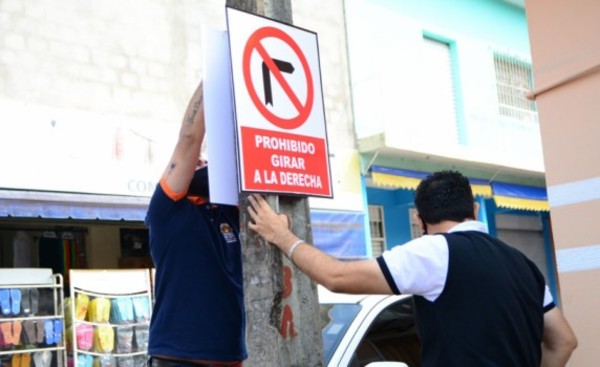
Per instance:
x=198, y=317
x=478, y=301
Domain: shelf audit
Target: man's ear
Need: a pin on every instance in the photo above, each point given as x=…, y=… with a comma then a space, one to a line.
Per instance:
x=419, y=221
x=475, y=210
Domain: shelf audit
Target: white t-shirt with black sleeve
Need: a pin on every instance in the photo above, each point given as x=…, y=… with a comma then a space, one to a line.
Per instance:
x=478, y=301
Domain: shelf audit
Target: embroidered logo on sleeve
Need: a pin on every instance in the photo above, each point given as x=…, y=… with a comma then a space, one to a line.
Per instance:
x=227, y=233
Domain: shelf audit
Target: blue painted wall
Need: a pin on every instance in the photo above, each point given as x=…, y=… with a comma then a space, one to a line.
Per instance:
x=395, y=213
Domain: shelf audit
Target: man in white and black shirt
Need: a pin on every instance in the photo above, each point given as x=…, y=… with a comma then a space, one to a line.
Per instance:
x=479, y=302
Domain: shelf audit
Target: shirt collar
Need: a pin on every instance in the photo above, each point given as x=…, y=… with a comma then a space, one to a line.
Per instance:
x=469, y=225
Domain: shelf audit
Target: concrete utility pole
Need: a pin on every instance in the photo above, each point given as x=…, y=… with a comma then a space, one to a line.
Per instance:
x=282, y=310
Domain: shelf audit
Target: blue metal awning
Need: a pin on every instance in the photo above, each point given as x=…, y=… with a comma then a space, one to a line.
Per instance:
x=520, y=197
x=39, y=204
x=506, y=195
x=408, y=179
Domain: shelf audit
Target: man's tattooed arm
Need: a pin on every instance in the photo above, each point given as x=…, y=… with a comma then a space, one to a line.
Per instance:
x=196, y=107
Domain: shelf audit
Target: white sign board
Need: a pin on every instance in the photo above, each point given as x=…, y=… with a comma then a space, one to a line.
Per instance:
x=218, y=111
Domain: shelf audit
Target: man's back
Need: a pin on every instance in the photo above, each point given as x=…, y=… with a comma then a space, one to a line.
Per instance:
x=199, y=309
x=490, y=311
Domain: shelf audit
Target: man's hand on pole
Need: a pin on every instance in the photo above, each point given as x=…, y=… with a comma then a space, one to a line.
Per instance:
x=273, y=227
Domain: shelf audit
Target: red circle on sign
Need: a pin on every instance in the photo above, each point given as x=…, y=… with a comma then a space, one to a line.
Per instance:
x=303, y=108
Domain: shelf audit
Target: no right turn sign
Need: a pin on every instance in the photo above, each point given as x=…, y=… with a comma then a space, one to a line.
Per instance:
x=280, y=120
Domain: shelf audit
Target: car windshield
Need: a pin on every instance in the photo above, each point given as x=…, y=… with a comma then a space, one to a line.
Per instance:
x=335, y=320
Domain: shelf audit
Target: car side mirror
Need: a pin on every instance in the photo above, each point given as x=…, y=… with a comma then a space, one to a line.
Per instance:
x=387, y=364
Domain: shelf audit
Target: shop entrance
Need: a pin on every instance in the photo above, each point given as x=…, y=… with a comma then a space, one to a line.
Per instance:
x=62, y=245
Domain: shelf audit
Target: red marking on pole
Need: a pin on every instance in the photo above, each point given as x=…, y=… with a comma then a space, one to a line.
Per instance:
x=287, y=282
x=287, y=323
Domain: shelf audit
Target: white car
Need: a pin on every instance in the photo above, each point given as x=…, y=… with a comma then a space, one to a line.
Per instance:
x=368, y=330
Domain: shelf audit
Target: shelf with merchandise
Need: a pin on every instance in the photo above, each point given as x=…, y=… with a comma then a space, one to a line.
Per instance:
x=108, y=317
x=31, y=317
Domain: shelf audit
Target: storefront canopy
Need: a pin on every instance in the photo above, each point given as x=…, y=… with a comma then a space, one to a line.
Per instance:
x=36, y=204
x=510, y=196
x=409, y=180
x=520, y=197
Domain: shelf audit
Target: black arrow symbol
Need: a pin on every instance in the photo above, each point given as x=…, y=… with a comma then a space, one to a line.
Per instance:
x=284, y=67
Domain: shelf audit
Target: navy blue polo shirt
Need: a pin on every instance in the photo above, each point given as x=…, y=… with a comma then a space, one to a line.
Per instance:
x=199, y=303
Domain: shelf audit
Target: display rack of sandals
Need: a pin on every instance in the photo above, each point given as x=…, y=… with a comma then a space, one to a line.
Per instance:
x=108, y=318
x=31, y=318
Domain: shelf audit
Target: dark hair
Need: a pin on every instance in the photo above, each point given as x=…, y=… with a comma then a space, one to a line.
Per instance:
x=444, y=195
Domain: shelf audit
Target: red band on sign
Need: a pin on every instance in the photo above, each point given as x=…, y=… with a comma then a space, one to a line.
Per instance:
x=284, y=162
x=304, y=108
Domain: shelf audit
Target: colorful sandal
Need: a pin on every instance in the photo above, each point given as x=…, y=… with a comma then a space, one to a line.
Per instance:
x=37, y=359
x=34, y=296
x=46, y=358
x=15, y=301
x=49, y=332
x=6, y=329
x=17, y=328
x=58, y=331
x=25, y=360
x=81, y=360
x=5, y=301
x=39, y=326
x=104, y=338
x=29, y=326
x=81, y=306
x=85, y=336
x=99, y=310
x=15, y=361
x=26, y=301
x=141, y=308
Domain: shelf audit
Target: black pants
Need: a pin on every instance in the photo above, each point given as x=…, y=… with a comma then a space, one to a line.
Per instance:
x=159, y=362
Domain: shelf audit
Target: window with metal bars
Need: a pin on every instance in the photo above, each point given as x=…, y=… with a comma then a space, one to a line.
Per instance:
x=415, y=230
x=377, y=230
x=514, y=79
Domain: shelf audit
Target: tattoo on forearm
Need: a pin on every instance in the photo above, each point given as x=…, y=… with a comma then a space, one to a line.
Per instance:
x=172, y=166
x=192, y=115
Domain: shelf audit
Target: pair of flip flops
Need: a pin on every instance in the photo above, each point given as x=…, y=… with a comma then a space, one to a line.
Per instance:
x=10, y=333
x=13, y=300
x=53, y=331
x=42, y=359
x=104, y=338
x=81, y=306
x=34, y=332
x=124, y=337
x=21, y=360
x=84, y=360
x=30, y=301
x=85, y=336
x=43, y=331
x=141, y=308
x=10, y=301
x=141, y=333
x=121, y=310
x=99, y=310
